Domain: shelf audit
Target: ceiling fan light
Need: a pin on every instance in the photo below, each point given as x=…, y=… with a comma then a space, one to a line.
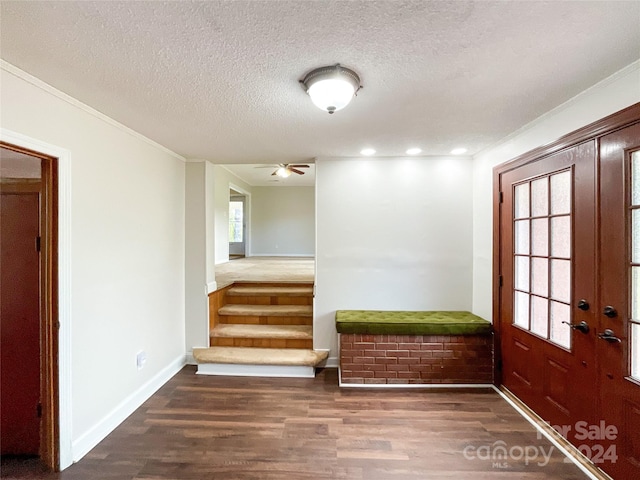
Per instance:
x=283, y=172
x=331, y=88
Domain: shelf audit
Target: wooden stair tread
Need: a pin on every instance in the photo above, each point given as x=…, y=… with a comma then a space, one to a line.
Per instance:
x=302, y=332
x=260, y=356
x=267, y=310
x=269, y=291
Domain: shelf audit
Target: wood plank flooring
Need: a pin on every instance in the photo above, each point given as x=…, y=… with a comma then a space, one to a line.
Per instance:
x=201, y=427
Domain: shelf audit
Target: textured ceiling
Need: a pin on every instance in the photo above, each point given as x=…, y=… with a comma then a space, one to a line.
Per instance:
x=218, y=80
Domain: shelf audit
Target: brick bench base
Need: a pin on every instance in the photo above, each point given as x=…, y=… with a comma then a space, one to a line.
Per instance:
x=416, y=359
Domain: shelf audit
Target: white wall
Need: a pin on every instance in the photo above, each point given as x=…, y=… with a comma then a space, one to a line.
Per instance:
x=393, y=234
x=223, y=180
x=197, y=247
x=283, y=221
x=127, y=256
x=609, y=96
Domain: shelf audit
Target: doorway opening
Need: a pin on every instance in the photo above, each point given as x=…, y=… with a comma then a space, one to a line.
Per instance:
x=237, y=225
x=29, y=309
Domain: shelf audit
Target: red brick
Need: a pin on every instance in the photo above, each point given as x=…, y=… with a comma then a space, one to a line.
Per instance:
x=431, y=346
x=409, y=346
x=398, y=368
x=385, y=374
x=409, y=360
x=397, y=353
x=362, y=360
x=375, y=353
x=373, y=367
x=386, y=360
x=408, y=375
x=386, y=346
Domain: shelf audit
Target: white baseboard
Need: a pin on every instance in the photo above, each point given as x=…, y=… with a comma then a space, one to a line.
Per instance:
x=331, y=362
x=88, y=440
x=301, y=255
x=239, y=370
x=188, y=358
x=211, y=287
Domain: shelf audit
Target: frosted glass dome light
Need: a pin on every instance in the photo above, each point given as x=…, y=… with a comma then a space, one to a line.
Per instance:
x=331, y=88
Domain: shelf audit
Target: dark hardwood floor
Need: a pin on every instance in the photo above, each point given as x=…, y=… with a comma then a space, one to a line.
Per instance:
x=202, y=427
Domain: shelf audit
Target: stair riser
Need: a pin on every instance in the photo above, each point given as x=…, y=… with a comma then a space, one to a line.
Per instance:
x=266, y=320
x=265, y=300
x=260, y=342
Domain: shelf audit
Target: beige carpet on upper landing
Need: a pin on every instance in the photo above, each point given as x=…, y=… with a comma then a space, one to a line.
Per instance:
x=266, y=269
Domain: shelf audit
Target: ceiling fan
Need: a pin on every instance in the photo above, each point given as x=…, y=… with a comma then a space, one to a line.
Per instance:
x=285, y=169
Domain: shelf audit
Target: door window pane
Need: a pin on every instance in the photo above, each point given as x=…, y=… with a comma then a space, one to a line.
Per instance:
x=522, y=273
x=561, y=280
x=635, y=236
x=521, y=310
x=540, y=236
x=561, y=193
x=635, y=350
x=560, y=332
x=635, y=293
x=522, y=237
x=561, y=236
x=540, y=276
x=635, y=178
x=540, y=197
x=521, y=196
x=539, y=313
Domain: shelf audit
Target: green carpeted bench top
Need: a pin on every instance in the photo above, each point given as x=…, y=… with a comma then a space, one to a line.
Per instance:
x=375, y=322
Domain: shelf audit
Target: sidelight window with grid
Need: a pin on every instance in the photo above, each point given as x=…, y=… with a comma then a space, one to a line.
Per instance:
x=542, y=256
x=634, y=218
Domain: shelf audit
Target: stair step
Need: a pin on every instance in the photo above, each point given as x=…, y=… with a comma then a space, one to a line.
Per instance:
x=269, y=291
x=260, y=356
x=267, y=310
x=302, y=332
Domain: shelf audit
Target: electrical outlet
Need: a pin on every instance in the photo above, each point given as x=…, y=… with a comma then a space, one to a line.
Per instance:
x=141, y=359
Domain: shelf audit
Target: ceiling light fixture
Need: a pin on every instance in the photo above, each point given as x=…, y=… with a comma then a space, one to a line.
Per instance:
x=283, y=172
x=367, y=151
x=414, y=151
x=458, y=151
x=331, y=88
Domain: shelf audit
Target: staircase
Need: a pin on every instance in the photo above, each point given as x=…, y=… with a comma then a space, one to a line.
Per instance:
x=261, y=329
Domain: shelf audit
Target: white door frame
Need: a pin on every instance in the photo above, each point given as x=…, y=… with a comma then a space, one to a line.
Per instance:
x=64, y=283
x=247, y=216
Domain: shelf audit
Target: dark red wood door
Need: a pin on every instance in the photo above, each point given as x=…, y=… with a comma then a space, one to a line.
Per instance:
x=618, y=326
x=547, y=238
x=20, y=323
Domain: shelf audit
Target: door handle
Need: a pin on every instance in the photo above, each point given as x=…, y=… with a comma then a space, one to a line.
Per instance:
x=610, y=312
x=583, y=305
x=609, y=336
x=581, y=327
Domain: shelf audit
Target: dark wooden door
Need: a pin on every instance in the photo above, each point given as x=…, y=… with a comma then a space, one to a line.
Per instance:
x=547, y=238
x=618, y=315
x=20, y=323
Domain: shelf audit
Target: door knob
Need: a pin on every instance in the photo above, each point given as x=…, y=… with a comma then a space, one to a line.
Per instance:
x=583, y=304
x=581, y=327
x=609, y=336
x=610, y=312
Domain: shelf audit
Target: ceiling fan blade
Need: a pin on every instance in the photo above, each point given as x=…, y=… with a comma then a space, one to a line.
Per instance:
x=299, y=172
x=299, y=166
x=266, y=166
x=274, y=173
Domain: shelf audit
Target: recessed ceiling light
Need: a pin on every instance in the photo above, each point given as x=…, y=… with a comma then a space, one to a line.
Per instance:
x=367, y=151
x=414, y=151
x=458, y=151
